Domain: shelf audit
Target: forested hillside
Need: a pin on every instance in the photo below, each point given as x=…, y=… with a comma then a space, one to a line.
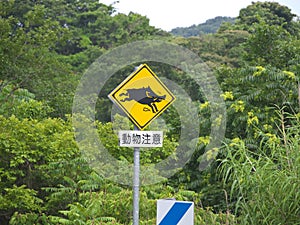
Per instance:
x=47, y=46
x=210, y=26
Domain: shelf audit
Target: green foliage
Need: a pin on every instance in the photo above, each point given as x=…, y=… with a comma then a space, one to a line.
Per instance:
x=225, y=47
x=206, y=216
x=21, y=103
x=255, y=92
x=211, y=26
x=113, y=205
x=271, y=13
x=29, y=219
x=271, y=45
x=47, y=45
x=19, y=198
x=27, y=57
x=265, y=182
x=27, y=146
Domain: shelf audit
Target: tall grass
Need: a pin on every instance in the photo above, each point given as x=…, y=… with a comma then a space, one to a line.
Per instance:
x=265, y=184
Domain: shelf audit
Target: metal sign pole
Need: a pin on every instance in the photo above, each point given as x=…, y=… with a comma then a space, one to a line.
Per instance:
x=136, y=183
x=134, y=87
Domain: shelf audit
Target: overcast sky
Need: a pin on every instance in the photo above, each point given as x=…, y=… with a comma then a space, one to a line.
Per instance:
x=169, y=14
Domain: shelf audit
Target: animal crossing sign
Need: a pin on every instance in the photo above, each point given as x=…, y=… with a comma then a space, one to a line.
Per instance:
x=142, y=96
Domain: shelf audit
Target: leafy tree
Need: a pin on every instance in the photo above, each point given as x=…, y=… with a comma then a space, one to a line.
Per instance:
x=21, y=103
x=271, y=13
x=251, y=96
x=41, y=39
x=27, y=146
x=28, y=59
x=271, y=45
x=225, y=47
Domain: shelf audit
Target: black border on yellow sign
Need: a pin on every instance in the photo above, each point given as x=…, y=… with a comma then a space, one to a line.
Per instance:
x=113, y=98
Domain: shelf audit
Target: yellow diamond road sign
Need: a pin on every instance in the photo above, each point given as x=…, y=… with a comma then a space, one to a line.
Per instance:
x=142, y=96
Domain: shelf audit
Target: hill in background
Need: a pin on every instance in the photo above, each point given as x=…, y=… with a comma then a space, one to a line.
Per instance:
x=210, y=26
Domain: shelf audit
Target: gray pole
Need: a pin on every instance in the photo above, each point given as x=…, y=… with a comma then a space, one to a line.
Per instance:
x=136, y=183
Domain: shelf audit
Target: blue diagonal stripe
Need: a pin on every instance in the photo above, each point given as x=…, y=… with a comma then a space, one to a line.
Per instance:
x=175, y=213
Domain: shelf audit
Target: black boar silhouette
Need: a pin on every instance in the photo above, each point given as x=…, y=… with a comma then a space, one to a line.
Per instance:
x=144, y=96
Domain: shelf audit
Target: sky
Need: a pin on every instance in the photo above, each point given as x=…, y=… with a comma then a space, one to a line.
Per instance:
x=169, y=14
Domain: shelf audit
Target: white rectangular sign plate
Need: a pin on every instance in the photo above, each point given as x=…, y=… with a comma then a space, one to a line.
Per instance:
x=137, y=138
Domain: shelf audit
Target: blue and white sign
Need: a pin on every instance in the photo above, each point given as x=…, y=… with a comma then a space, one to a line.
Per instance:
x=172, y=212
